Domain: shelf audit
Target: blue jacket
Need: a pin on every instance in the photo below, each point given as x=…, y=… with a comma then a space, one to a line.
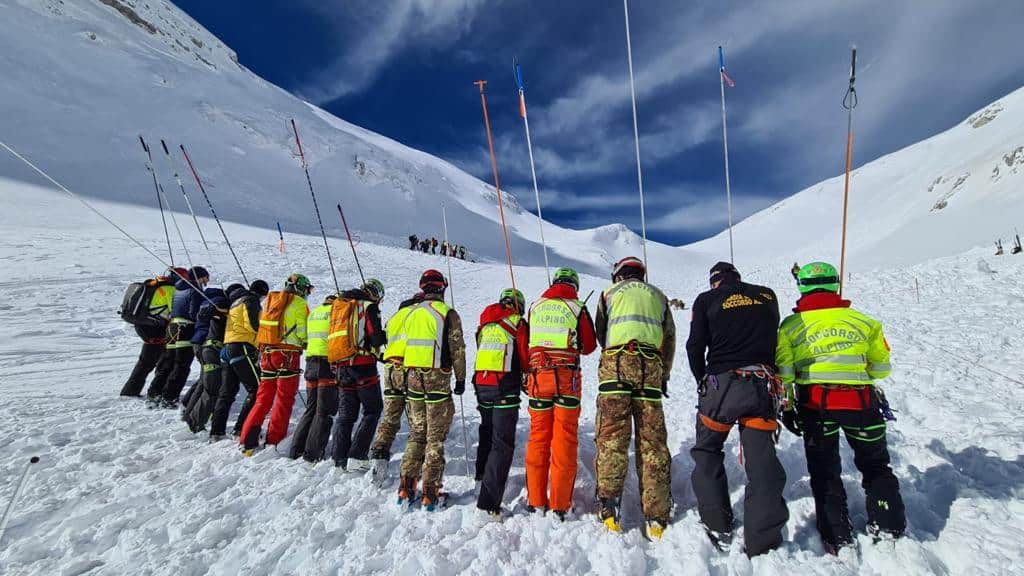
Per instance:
x=206, y=312
x=186, y=301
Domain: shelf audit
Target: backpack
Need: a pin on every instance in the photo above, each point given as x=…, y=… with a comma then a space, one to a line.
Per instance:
x=343, y=337
x=135, y=303
x=272, y=318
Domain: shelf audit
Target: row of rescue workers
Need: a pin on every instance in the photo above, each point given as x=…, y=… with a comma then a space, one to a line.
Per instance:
x=815, y=373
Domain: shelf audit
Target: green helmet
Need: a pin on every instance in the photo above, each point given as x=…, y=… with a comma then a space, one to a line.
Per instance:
x=298, y=284
x=375, y=288
x=817, y=276
x=512, y=295
x=566, y=276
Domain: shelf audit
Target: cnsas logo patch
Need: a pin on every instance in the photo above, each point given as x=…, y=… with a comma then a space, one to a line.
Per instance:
x=737, y=300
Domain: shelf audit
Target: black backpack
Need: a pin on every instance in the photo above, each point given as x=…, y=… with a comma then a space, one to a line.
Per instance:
x=135, y=304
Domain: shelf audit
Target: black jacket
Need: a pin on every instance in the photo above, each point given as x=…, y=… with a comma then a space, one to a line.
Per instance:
x=737, y=323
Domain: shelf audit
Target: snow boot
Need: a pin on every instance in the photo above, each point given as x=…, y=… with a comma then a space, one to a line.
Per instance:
x=654, y=529
x=356, y=466
x=433, y=498
x=380, y=472
x=720, y=540
x=497, y=516
x=609, y=514
x=407, y=490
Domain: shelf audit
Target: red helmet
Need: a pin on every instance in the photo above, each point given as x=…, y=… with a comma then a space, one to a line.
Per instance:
x=433, y=281
x=177, y=272
x=629, y=267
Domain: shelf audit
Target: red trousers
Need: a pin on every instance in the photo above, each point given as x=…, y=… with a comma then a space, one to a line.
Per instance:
x=279, y=382
x=552, y=449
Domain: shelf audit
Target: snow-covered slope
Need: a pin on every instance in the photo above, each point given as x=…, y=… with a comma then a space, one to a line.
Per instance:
x=122, y=489
x=955, y=191
x=82, y=79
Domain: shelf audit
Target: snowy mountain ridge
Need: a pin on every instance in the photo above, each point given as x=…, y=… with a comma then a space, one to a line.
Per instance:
x=955, y=191
x=103, y=71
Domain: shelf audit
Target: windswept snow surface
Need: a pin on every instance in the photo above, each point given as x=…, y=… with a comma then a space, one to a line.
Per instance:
x=125, y=490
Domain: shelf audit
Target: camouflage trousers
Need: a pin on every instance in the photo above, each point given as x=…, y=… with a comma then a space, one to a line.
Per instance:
x=629, y=395
x=430, y=411
x=391, y=418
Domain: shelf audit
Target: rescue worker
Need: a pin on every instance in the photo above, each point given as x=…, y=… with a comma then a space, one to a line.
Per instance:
x=321, y=388
x=829, y=356
x=433, y=245
x=636, y=330
x=239, y=357
x=154, y=352
x=737, y=324
x=395, y=386
x=434, y=351
x=360, y=383
x=184, y=310
x=502, y=345
x=413, y=241
x=279, y=364
x=209, y=336
x=560, y=332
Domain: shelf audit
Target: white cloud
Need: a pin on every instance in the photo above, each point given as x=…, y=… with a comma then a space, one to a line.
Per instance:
x=375, y=32
x=706, y=211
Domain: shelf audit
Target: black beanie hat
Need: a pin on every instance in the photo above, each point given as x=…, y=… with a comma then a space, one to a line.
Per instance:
x=723, y=271
x=198, y=272
x=259, y=287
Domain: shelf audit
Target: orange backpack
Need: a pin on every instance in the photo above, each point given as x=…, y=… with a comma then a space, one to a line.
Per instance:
x=344, y=335
x=272, y=318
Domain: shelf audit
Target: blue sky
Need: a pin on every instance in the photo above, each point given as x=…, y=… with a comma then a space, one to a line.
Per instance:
x=404, y=68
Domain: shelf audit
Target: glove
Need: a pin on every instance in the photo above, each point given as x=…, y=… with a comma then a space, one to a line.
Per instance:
x=791, y=422
x=664, y=388
x=460, y=387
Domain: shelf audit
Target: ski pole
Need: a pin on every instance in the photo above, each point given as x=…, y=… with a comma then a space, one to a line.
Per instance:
x=465, y=434
x=448, y=257
x=94, y=210
x=636, y=137
x=188, y=201
x=722, y=77
x=533, y=170
x=280, y=246
x=497, y=182
x=174, y=221
x=202, y=189
x=849, y=102
x=160, y=190
x=316, y=207
x=14, y=497
x=159, y=199
x=353, y=246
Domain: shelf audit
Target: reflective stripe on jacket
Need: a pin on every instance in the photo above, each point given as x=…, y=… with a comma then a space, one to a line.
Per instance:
x=318, y=327
x=553, y=323
x=396, y=334
x=831, y=346
x=160, y=303
x=424, y=332
x=496, y=344
x=636, y=313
